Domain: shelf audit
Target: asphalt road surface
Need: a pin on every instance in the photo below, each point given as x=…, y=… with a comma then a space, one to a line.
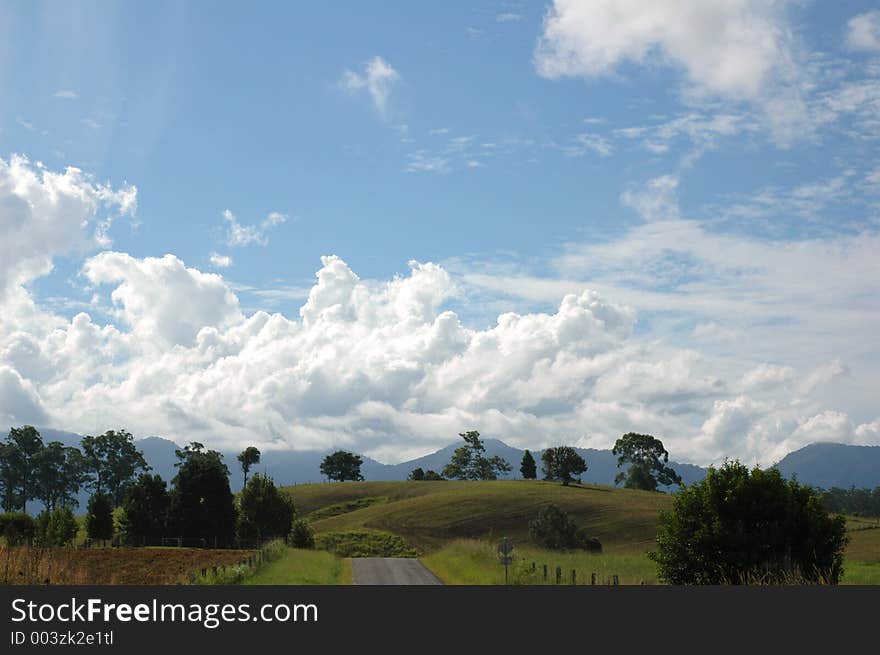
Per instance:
x=390, y=571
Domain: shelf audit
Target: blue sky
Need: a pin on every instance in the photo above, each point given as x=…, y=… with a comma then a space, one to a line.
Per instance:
x=708, y=170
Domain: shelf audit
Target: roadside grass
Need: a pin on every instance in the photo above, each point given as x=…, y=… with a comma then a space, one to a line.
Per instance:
x=364, y=543
x=475, y=562
x=296, y=566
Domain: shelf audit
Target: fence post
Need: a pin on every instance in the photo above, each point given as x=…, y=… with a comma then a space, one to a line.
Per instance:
x=558, y=574
x=573, y=576
x=615, y=580
x=204, y=572
x=592, y=578
x=545, y=573
x=533, y=567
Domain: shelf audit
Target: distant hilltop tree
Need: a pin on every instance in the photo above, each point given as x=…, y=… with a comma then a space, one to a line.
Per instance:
x=420, y=475
x=563, y=464
x=341, y=466
x=527, y=467
x=469, y=462
x=647, y=459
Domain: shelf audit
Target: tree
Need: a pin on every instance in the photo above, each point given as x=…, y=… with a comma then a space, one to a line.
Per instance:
x=416, y=475
x=112, y=461
x=342, y=466
x=432, y=476
x=527, y=467
x=266, y=512
x=99, y=520
x=57, y=527
x=202, y=505
x=553, y=529
x=10, y=473
x=562, y=463
x=738, y=526
x=647, y=459
x=24, y=444
x=145, y=510
x=469, y=462
x=248, y=457
x=59, y=474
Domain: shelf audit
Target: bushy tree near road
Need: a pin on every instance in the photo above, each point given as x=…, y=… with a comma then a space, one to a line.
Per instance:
x=738, y=526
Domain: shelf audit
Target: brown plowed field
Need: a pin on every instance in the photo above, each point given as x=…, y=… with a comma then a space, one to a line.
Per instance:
x=110, y=566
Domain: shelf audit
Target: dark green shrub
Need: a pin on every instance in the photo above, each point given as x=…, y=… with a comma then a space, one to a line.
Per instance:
x=266, y=513
x=364, y=543
x=553, y=529
x=738, y=525
x=17, y=528
x=302, y=535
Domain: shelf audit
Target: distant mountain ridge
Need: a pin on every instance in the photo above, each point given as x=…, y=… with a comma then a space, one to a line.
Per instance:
x=829, y=465
x=823, y=465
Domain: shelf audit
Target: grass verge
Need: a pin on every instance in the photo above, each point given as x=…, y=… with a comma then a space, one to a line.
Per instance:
x=295, y=566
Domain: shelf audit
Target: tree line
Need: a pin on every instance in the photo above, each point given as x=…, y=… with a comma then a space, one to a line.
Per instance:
x=858, y=502
x=644, y=454
x=130, y=503
x=54, y=473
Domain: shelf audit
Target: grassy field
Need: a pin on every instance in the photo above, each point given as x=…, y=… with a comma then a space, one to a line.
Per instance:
x=455, y=526
x=303, y=567
x=862, y=563
x=470, y=561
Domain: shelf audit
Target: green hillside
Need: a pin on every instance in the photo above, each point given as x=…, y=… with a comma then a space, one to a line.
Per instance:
x=430, y=515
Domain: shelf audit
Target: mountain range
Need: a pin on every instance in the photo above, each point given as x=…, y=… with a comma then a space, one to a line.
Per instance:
x=823, y=465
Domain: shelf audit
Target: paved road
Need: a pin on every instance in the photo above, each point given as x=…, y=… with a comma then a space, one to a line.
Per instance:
x=390, y=571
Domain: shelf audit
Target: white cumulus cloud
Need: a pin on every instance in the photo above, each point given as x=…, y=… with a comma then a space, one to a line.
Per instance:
x=44, y=214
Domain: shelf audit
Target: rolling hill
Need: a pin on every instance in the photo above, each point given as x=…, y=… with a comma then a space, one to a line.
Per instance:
x=431, y=514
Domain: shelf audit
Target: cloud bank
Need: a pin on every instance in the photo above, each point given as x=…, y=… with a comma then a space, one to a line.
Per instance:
x=380, y=366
